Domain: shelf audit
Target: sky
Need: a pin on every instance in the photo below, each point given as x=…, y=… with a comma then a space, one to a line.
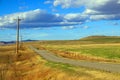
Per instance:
x=59, y=19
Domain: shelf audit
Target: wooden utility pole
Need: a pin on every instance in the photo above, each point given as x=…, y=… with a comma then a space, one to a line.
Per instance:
x=17, y=35
x=20, y=41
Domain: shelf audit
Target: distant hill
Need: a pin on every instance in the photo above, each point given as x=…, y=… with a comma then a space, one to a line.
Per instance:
x=1, y=43
x=102, y=39
x=28, y=40
x=6, y=42
x=12, y=42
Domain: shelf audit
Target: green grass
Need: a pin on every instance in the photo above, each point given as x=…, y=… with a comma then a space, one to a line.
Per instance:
x=32, y=66
x=111, y=52
x=69, y=68
x=94, y=47
x=65, y=67
x=86, y=40
x=102, y=39
x=103, y=51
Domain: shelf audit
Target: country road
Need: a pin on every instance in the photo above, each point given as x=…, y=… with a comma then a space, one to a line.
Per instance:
x=110, y=67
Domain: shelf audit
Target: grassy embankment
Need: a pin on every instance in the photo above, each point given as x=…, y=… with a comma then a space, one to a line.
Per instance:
x=30, y=66
x=95, y=48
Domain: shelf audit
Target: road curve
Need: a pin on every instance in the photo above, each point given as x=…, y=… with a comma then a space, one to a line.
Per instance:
x=110, y=67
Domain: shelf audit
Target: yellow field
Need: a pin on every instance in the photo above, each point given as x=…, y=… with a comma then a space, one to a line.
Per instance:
x=30, y=66
x=109, y=52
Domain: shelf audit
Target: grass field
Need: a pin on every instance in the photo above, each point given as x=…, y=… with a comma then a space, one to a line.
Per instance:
x=29, y=66
x=91, y=48
x=101, y=51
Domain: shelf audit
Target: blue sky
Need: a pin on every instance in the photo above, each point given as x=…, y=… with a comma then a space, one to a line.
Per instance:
x=59, y=19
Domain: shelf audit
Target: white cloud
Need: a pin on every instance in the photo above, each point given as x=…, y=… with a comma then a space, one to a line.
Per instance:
x=78, y=3
x=118, y=1
x=39, y=18
x=94, y=10
x=101, y=9
x=68, y=3
x=1, y=24
x=9, y=20
x=105, y=17
x=90, y=12
x=76, y=17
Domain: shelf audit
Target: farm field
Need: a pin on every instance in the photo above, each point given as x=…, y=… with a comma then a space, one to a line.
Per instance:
x=85, y=49
x=29, y=66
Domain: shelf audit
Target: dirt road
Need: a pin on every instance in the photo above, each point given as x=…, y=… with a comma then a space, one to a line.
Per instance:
x=110, y=67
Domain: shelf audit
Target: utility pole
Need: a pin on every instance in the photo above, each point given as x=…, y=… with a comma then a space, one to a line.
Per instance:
x=17, y=35
x=20, y=41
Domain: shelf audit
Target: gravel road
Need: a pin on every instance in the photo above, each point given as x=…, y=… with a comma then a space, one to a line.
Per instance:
x=110, y=67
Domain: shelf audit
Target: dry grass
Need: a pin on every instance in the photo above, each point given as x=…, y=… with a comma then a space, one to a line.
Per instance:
x=30, y=66
x=93, y=52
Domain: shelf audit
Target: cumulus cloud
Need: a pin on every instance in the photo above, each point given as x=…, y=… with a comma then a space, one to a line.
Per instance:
x=76, y=17
x=69, y=3
x=105, y=17
x=94, y=10
x=101, y=9
x=40, y=18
